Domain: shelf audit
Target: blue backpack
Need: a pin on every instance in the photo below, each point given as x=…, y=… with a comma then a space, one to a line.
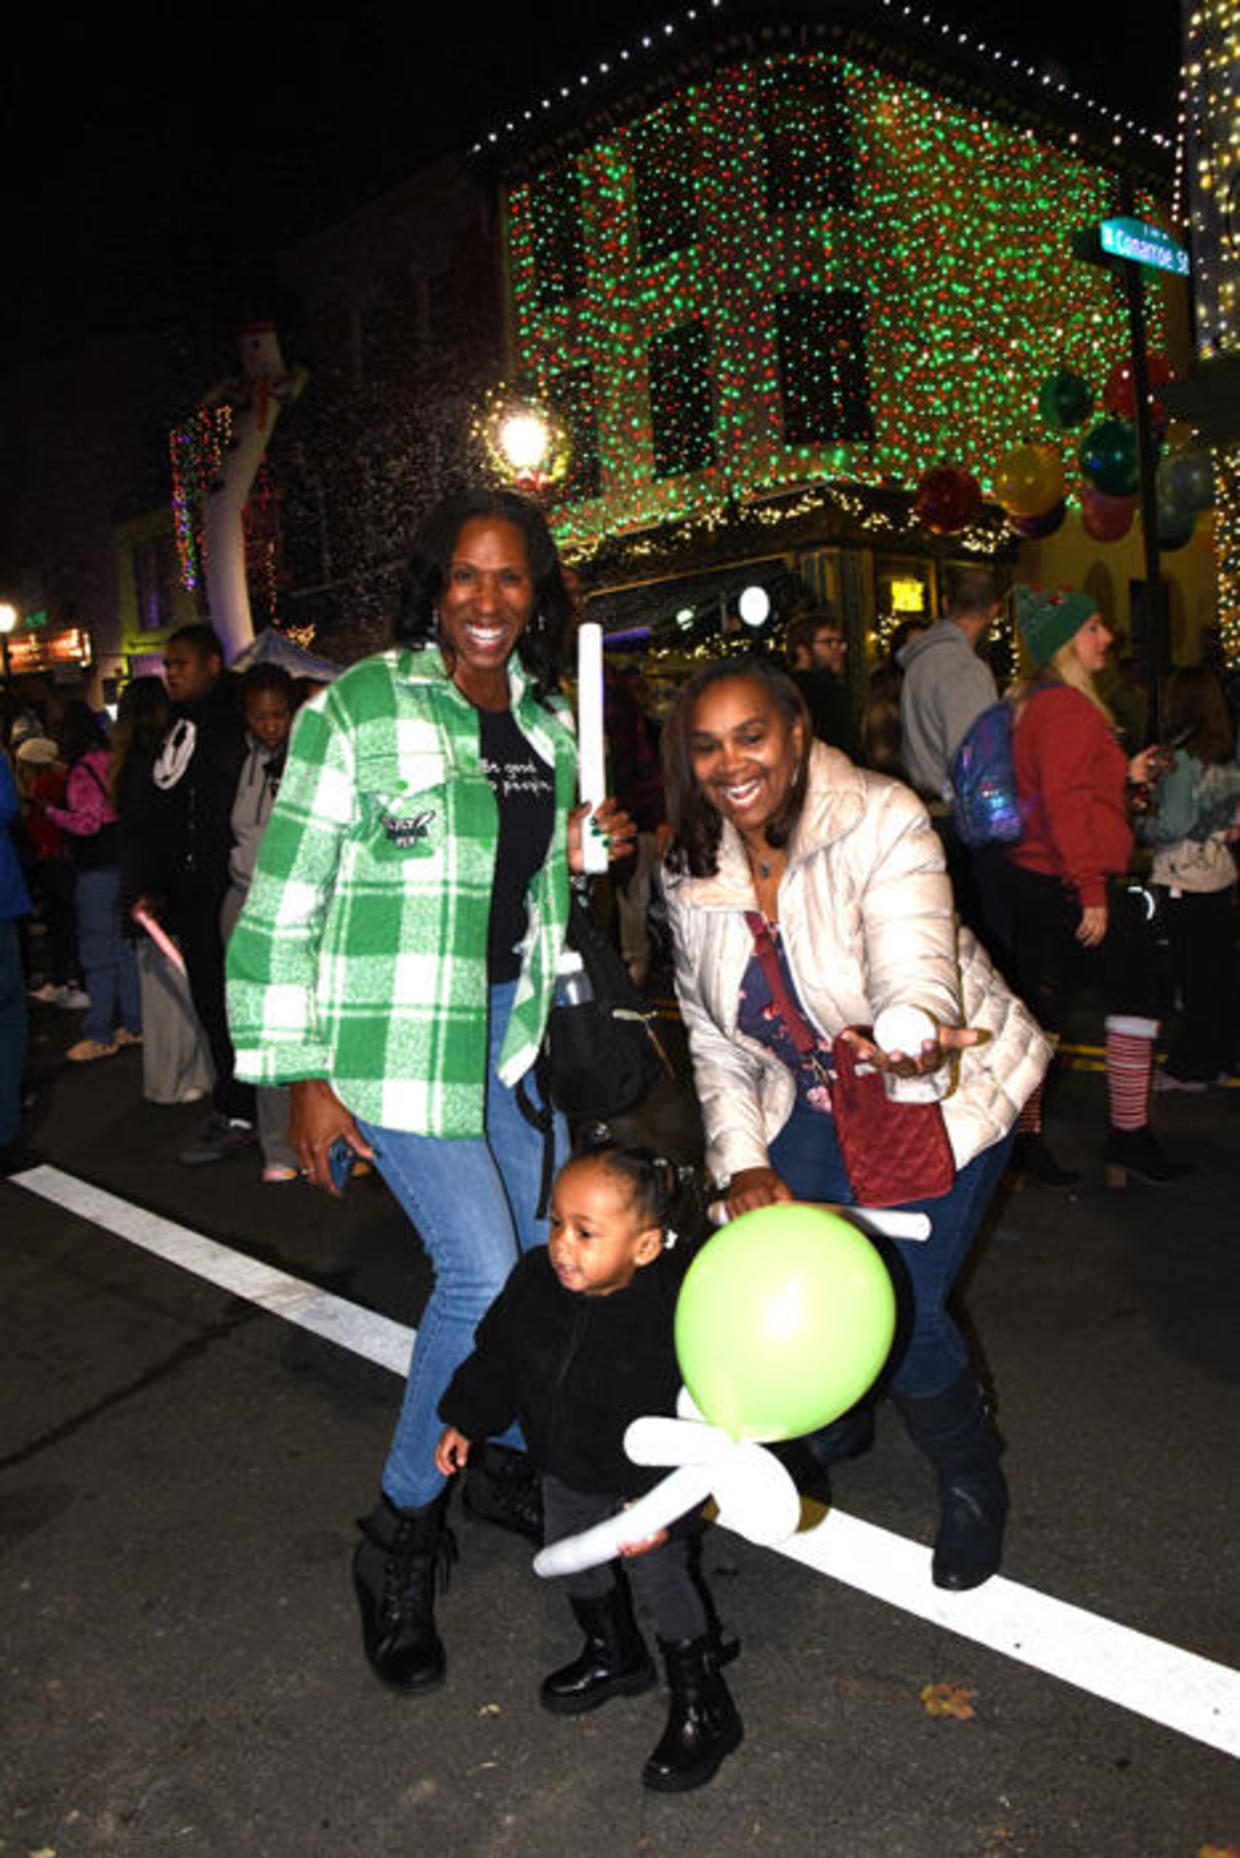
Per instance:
x=985, y=808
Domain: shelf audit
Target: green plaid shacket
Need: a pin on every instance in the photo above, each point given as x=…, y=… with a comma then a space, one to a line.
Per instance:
x=361, y=954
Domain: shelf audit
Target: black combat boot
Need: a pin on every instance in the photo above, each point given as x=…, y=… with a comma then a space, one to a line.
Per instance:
x=702, y=1724
x=953, y=1430
x=395, y=1566
x=502, y=1487
x=613, y=1662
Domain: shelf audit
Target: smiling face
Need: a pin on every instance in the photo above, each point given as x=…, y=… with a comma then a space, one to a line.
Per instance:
x=485, y=605
x=1091, y=644
x=745, y=753
x=598, y=1240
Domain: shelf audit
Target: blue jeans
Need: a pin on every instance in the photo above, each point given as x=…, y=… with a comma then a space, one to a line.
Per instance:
x=474, y=1205
x=108, y=966
x=929, y=1351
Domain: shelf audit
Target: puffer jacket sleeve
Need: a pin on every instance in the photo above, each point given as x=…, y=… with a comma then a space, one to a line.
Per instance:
x=727, y=1077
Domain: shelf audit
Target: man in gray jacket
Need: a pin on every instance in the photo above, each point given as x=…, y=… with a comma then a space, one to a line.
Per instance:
x=946, y=688
x=946, y=685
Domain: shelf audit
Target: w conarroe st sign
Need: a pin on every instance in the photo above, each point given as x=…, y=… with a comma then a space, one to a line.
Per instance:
x=1144, y=244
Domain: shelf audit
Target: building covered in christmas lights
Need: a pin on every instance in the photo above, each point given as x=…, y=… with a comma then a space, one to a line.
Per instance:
x=796, y=269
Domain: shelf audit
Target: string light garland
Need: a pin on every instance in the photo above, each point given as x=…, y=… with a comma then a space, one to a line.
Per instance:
x=196, y=449
x=892, y=267
x=1209, y=184
x=1006, y=68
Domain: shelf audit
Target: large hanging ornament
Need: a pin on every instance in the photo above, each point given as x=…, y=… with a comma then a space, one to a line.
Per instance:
x=1106, y=519
x=1029, y=480
x=1108, y=457
x=948, y=499
x=1188, y=476
x=1119, y=393
x=1065, y=399
x=1037, y=528
x=1175, y=521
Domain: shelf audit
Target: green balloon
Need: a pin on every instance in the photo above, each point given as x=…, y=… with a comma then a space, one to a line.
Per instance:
x=783, y=1321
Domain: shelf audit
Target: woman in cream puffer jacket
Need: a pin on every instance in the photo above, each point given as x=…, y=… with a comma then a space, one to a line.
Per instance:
x=867, y=920
x=847, y=873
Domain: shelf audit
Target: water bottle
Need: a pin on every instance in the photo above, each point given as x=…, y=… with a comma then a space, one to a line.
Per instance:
x=572, y=983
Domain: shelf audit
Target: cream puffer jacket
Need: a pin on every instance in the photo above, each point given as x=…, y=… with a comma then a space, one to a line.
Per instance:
x=865, y=912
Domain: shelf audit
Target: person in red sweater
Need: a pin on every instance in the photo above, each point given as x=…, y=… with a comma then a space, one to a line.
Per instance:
x=1069, y=870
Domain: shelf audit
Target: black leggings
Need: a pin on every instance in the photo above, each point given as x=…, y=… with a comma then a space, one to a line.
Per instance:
x=663, y=1580
x=1047, y=952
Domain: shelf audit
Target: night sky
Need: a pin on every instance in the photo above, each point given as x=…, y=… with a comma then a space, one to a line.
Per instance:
x=159, y=156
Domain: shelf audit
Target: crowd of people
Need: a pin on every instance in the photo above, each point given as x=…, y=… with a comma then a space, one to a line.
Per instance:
x=348, y=926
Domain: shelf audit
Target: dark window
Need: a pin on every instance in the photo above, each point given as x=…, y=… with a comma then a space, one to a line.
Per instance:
x=663, y=185
x=155, y=580
x=807, y=148
x=682, y=401
x=559, y=252
x=823, y=376
x=573, y=398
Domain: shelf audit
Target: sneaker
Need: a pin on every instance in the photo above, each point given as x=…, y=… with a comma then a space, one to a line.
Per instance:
x=222, y=1137
x=124, y=1036
x=49, y=993
x=1167, y=1080
x=275, y=1174
x=73, y=999
x=86, y=1050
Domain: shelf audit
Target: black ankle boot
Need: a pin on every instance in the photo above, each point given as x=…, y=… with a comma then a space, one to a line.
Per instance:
x=1032, y=1160
x=849, y=1436
x=953, y=1430
x=394, y=1573
x=613, y=1662
x=502, y=1487
x=1134, y=1151
x=702, y=1724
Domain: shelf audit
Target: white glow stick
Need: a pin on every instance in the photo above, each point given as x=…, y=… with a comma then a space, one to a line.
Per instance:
x=592, y=763
x=888, y=1221
x=162, y=940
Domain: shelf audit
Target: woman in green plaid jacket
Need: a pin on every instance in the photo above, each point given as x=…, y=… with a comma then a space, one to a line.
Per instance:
x=395, y=964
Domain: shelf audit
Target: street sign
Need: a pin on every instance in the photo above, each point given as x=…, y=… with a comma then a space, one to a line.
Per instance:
x=1143, y=244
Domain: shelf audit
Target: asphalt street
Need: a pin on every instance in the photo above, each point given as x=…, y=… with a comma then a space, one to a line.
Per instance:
x=181, y=1466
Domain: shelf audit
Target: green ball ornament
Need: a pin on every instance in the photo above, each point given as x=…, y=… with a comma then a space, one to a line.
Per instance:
x=1065, y=400
x=784, y=1320
x=1108, y=457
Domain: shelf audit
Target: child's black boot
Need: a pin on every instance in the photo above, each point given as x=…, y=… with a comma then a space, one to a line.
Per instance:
x=613, y=1662
x=702, y=1722
x=395, y=1566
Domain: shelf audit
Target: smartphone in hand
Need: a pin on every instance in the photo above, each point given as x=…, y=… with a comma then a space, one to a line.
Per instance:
x=342, y=1158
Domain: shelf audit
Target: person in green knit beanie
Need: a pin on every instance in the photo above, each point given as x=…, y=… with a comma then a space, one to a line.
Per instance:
x=1069, y=868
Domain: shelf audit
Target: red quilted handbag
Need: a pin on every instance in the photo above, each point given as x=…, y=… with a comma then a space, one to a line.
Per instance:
x=893, y=1152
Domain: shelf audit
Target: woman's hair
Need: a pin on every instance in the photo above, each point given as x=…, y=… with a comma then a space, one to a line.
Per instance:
x=141, y=724
x=1062, y=667
x=540, y=644
x=268, y=677
x=1196, y=716
x=660, y=1192
x=80, y=730
x=697, y=825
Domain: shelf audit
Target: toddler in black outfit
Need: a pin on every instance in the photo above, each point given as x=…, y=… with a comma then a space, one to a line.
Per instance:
x=578, y=1343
